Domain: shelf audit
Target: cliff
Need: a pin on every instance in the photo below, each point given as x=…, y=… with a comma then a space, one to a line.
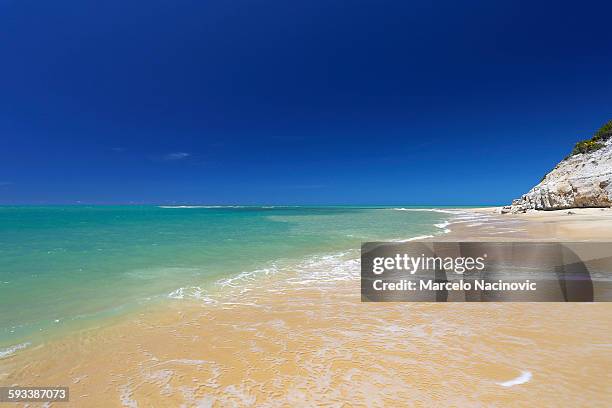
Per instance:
x=583, y=179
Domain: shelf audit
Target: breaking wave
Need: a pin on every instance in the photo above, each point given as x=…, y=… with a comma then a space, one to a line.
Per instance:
x=12, y=349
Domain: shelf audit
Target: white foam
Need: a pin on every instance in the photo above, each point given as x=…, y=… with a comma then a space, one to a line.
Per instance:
x=191, y=292
x=189, y=361
x=12, y=349
x=521, y=379
x=184, y=206
x=126, y=397
x=438, y=210
x=412, y=239
x=321, y=269
x=460, y=215
x=247, y=276
x=443, y=226
x=314, y=270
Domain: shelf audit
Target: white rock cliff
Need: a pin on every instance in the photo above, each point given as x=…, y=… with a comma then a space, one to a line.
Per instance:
x=581, y=180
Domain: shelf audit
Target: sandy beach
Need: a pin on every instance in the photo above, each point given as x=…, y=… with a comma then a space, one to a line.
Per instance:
x=288, y=341
x=576, y=224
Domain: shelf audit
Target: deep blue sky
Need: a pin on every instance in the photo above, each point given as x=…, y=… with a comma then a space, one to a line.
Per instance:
x=295, y=102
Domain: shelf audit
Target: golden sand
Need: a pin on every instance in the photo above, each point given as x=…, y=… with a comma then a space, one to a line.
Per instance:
x=287, y=341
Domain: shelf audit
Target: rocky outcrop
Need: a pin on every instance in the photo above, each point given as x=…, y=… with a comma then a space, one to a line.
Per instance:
x=580, y=180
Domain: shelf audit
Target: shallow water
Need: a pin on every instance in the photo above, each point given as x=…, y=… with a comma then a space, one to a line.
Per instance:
x=282, y=340
x=62, y=267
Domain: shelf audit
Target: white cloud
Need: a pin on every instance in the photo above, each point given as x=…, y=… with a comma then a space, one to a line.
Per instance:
x=176, y=156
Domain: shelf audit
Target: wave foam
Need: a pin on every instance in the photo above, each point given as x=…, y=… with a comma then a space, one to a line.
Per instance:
x=521, y=379
x=412, y=239
x=438, y=210
x=192, y=292
x=319, y=269
x=315, y=270
x=443, y=226
x=12, y=349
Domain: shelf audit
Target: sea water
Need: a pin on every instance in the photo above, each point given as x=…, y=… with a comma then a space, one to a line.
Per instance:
x=66, y=267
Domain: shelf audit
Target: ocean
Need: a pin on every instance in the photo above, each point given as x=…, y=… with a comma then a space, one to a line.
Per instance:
x=64, y=268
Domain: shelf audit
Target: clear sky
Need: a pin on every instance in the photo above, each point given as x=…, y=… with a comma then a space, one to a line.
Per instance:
x=295, y=102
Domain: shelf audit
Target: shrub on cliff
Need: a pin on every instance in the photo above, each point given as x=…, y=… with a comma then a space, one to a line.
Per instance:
x=586, y=146
x=595, y=143
x=604, y=133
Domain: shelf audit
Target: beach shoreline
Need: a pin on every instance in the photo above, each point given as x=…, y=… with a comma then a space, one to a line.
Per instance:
x=576, y=224
x=284, y=340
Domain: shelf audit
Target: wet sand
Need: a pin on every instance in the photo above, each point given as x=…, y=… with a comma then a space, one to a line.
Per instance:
x=307, y=340
x=578, y=224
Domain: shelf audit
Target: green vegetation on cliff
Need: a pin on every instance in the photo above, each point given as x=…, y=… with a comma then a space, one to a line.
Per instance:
x=604, y=133
x=596, y=142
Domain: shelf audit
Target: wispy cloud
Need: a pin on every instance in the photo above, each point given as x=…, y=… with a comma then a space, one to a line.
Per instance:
x=176, y=156
x=5, y=183
x=307, y=186
x=118, y=149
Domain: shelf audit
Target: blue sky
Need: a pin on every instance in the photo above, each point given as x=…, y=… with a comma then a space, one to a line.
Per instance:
x=295, y=102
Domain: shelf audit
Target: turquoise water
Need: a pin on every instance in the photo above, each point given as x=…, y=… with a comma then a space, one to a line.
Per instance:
x=63, y=266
